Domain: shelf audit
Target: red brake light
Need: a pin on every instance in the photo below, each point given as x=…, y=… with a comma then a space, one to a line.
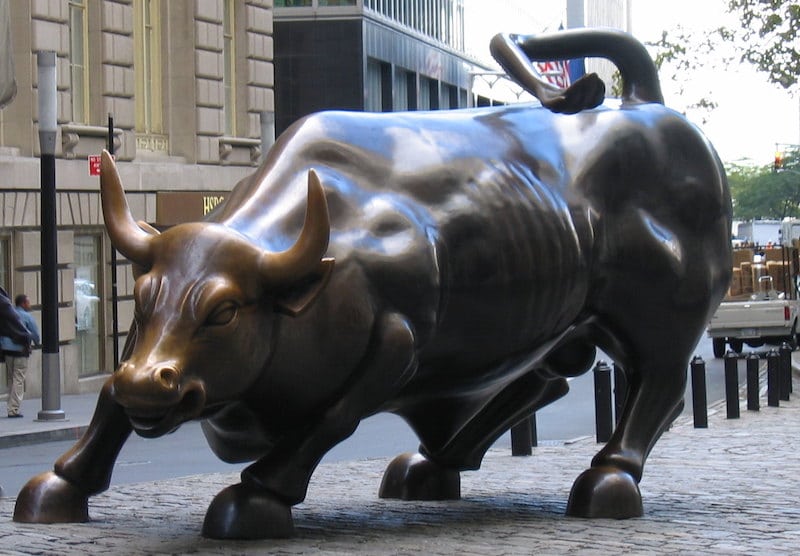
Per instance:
x=786, y=312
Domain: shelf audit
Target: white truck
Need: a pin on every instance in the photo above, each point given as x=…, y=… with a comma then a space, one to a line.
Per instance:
x=755, y=323
x=762, y=316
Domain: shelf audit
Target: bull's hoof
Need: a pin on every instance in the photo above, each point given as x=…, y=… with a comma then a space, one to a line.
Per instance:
x=242, y=512
x=47, y=498
x=605, y=492
x=414, y=477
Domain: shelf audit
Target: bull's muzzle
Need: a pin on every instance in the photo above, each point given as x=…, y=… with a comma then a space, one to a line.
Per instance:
x=157, y=398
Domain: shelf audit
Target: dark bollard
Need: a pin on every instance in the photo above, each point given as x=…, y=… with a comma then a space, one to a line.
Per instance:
x=732, y=384
x=699, y=397
x=773, y=379
x=620, y=391
x=785, y=352
x=521, y=437
x=753, y=362
x=602, y=401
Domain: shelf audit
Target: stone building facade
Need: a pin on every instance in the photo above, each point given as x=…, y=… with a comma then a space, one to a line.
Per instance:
x=187, y=86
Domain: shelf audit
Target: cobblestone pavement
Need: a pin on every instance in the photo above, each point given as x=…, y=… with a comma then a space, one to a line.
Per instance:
x=728, y=489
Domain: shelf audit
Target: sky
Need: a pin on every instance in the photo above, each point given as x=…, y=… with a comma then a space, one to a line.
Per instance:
x=752, y=115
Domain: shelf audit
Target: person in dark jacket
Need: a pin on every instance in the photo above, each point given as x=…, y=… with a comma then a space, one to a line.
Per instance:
x=11, y=324
x=16, y=350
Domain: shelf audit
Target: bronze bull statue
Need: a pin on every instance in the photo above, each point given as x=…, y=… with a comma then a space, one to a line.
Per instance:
x=453, y=268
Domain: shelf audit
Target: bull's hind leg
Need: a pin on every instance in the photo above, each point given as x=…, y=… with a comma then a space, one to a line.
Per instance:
x=433, y=474
x=655, y=358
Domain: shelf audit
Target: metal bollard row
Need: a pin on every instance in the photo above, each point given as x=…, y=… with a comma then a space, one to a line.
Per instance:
x=608, y=414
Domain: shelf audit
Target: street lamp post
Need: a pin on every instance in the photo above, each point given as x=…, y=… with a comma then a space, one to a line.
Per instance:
x=48, y=107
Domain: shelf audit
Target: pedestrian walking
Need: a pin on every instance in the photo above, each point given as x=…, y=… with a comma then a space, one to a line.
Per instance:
x=16, y=350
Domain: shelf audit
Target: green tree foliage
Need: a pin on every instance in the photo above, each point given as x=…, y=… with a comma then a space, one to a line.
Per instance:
x=768, y=37
x=760, y=192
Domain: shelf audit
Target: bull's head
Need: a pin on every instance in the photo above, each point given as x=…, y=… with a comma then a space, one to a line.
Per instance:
x=205, y=304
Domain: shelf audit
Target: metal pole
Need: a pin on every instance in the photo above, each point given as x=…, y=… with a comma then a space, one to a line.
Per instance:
x=48, y=108
x=732, y=384
x=521, y=438
x=753, y=363
x=785, y=352
x=602, y=401
x=773, y=378
x=699, y=396
x=114, y=291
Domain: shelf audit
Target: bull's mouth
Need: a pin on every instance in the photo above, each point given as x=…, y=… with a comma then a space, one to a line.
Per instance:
x=152, y=421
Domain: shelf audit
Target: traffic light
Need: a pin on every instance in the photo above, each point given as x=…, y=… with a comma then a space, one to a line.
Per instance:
x=778, y=164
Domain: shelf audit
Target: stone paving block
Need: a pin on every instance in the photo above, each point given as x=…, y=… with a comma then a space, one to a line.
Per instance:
x=727, y=489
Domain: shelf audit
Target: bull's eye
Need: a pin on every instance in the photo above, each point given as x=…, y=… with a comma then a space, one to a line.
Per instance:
x=223, y=314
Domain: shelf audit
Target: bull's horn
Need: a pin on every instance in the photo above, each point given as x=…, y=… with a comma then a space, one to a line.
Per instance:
x=126, y=236
x=305, y=255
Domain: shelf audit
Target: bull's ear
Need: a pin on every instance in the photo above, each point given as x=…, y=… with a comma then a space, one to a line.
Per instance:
x=300, y=296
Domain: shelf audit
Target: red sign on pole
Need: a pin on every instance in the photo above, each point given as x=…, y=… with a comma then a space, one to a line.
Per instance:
x=94, y=164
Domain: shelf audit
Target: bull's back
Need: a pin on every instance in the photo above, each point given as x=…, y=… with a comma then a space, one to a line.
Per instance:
x=479, y=225
x=465, y=221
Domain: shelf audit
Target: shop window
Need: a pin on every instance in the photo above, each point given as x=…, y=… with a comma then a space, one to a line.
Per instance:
x=88, y=305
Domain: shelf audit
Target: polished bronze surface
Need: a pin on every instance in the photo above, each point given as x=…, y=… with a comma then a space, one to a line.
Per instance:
x=451, y=267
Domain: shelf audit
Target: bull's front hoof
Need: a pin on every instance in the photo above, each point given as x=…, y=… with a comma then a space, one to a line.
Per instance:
x=47, y=498
x=605, y=492
x=414, y=477
x=241, y=512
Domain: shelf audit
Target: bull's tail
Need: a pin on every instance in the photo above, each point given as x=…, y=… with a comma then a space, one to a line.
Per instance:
x=639, y=75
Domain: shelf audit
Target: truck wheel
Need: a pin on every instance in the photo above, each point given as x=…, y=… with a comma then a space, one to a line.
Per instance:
x=718, y=344
x=736, y=345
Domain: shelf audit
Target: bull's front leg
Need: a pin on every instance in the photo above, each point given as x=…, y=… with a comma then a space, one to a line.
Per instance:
x=260, y=506
x=62, y=495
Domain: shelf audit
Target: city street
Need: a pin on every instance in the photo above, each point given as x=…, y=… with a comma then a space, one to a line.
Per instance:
x=185, y=451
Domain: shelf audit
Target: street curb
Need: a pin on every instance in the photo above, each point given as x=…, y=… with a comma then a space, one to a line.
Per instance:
x=38, y=437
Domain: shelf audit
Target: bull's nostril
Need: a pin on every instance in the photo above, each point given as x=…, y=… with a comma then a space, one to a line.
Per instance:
x=166, y=377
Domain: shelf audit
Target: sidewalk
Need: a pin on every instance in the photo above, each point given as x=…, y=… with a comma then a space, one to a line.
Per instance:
x=727, y=489
x=78, y=410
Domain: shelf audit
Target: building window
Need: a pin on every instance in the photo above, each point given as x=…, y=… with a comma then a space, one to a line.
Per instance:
x=147, y=66
x=424, y=93
x=229, y=70
x=88, y=305
x=78, y=58
x=400, y=89
x=374, y=94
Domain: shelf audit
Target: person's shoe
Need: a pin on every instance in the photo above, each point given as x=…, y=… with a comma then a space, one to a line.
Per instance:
x=15, y=416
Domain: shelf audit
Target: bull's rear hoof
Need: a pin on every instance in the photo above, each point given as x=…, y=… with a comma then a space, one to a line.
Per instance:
x=47, y=498
x=239, y=512
x=605, y=492
x=414, y=477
